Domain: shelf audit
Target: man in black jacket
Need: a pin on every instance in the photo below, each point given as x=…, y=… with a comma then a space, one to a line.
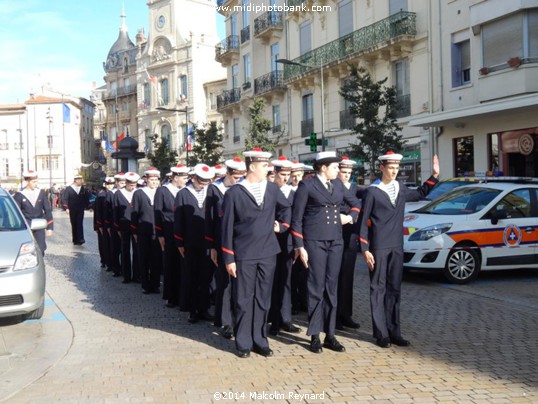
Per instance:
x=75, y=200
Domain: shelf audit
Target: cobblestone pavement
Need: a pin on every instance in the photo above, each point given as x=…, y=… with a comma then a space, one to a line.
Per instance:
x=474, y=343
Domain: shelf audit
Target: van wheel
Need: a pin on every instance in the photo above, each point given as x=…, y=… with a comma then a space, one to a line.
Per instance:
x=462, y=265
x=37, y=313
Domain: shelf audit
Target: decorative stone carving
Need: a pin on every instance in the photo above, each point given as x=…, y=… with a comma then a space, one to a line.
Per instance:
x=161, y=50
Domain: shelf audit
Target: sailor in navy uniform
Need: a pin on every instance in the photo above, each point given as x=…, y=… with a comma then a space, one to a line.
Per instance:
x=34, y=204
x=317, y=237
x=381, y=240
x=165, y=199
x=250, y=247
x=220, y=172
x=122, y=224
x=99, y=212
x=75, y=199
x=189, y=232
x=349, y=255
x=280, y=311
x=115, y=241
x=143, y=225
x=235, y=171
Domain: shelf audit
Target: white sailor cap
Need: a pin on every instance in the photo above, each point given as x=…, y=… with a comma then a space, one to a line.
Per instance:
x=308, y=168
x=169, y=174
x=390, y=157
x=29, y=174
x=180, y=169
x=327, y=157
x=141, y=182
x=109, y=180
x=236, y=164
x=219, y=169
x=270, y=168
x=296, y=166
x=152, y=172
x=282, y=164
x=119, y=176
x=256, y=155
x=347, y=162
x=77, y=177
x=132, y=177
x=204, y=171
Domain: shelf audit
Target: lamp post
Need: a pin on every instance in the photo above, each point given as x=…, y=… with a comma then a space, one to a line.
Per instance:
x=186, y=110
x=289, y=62
x=49, y=138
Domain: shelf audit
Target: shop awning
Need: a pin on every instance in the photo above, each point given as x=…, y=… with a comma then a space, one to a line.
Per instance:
x=475, y=111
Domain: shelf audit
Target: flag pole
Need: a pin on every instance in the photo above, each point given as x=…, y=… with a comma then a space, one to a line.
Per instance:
x=63, y=141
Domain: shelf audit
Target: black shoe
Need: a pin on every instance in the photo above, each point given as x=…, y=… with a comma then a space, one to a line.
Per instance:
x=263, y=351
x=227, y=332
x=315, y=345
x=289, y=327
x=126, y=281
x=243, y=353
x=274, y=329
x=206, y=316
x=170, y=304
x=81, y=242
x=116, y=275
x=103, y=265
x=383, y=342
x=193, y=318
x=333, y=344
x=109, y=269
x=146, y=291
x=400, y=341
x=349, y=323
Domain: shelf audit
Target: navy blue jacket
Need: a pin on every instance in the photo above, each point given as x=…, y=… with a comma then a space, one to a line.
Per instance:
x=189, y=226
x=122, y=212
x=164, y=206
x=41, y=210
x=316, y=212
x=248, y=229
x=73, y=201
x=380, y=223
x=142, y=215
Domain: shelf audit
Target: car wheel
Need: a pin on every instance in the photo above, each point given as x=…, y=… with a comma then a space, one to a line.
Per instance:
x=37, y=313
x=462, y=265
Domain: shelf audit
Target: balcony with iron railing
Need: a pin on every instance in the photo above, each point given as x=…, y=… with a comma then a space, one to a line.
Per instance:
x=269, y=82
x=399, y=28
x=245, y=34
x=347, y=120
x=403, y=105
x=307, y=127
x=229, y=6
x=268, y=24
x=120, y=92
x=228, y=97
x=226, y=49
x=295, y=6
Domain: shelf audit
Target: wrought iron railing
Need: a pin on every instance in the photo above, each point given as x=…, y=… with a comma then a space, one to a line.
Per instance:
x=236, y=139
x=277, y=129
x=307, y=127
x=267, y=20
x=245, y=34
x=227, y=45
x=347, y=120
x=228, y=97
x=269, y=81
x=362, y=40
x=403, y=105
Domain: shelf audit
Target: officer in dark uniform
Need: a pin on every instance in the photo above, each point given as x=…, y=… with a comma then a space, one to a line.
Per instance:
x=381, y=239
x=235, y=171
x=34, y=204
x=75, y=199
x=143, y=226
x=189, y=232
x=349, y=256
x=250, y=247
x=165, y=199
x=115, y=241
x=317, y=236
x=122, y=224
x=99, y=212
x=280, y=311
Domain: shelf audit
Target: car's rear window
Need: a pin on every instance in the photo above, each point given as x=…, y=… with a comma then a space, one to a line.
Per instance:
x=10, y=217
x=461, y=201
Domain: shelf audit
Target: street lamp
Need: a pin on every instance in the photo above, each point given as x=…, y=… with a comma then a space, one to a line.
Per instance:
x=50, y=119
x=186, y=110
x=289, y=62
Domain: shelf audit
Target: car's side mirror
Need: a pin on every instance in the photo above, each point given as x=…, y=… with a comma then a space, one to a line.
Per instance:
x=497, y=215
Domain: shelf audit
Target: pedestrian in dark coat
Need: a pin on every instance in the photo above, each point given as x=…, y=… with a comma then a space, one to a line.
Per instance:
x=75, y=199
x=381, y=239
x=250, y=247
x=115, y=241
x=99, y=215
x=165, y=199
x=34, y=204
x=317, y=236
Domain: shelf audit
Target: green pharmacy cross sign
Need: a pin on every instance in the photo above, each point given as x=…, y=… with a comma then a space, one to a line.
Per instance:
x=314, y=142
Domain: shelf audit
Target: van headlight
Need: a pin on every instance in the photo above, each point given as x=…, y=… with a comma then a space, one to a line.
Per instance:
x=27, y=257
x=431, y=231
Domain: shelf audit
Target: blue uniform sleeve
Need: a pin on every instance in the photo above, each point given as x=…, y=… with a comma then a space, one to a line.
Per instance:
x=227, y=228
x=364, y=220
x=299, y=206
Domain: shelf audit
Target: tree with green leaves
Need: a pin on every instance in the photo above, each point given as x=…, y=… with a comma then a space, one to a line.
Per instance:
x=207, y=146
x=258, y=128
x=376, y=106
x=161, y=157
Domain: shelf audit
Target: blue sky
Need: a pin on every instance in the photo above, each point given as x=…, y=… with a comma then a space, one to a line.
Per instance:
x=61, y=42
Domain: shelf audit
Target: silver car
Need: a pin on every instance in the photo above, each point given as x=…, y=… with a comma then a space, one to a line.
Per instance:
x=22, y=268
